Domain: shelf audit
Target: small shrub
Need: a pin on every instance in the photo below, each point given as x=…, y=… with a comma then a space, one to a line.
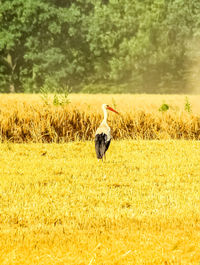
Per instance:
x=164, y=107
x=60, y=97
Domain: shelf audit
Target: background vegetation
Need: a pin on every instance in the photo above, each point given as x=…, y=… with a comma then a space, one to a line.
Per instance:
x=105, y=45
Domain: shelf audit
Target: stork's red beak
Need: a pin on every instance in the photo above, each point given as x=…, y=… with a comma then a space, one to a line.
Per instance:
x=112, y=109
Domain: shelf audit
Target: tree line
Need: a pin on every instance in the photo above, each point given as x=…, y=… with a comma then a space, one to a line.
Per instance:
x=98, y=45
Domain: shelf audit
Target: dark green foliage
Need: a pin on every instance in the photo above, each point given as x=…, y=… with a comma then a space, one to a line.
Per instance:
x=134, y=46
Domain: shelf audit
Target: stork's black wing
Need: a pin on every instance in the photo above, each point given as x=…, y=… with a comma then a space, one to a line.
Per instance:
x=101, y=144
x=107, y=145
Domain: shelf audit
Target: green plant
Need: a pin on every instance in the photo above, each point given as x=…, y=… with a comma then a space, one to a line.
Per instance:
x=164, y=107
x=45, y=95
x=188, y=106
x=60, y=97
x=114, y=103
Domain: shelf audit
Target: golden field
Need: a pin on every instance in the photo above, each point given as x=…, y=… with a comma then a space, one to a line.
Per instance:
x=59, y=205
x=27, y=118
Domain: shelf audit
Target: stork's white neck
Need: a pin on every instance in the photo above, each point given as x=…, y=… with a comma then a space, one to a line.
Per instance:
x=105, y=114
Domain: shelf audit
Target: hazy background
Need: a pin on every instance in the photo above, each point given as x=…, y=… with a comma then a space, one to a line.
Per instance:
x=107, y=46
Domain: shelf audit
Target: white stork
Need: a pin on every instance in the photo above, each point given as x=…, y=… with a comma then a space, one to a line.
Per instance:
x=102, y=135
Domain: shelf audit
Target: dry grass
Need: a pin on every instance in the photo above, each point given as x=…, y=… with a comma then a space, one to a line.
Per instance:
x=58, y=205
x=25, y=118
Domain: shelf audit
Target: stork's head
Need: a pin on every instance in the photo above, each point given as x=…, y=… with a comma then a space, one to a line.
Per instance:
x=107, y=107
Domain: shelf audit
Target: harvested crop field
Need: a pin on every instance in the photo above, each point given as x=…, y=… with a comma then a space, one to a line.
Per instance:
x=59, y=205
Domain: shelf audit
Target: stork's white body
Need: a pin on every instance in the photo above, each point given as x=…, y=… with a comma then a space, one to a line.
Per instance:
x=104, y=128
